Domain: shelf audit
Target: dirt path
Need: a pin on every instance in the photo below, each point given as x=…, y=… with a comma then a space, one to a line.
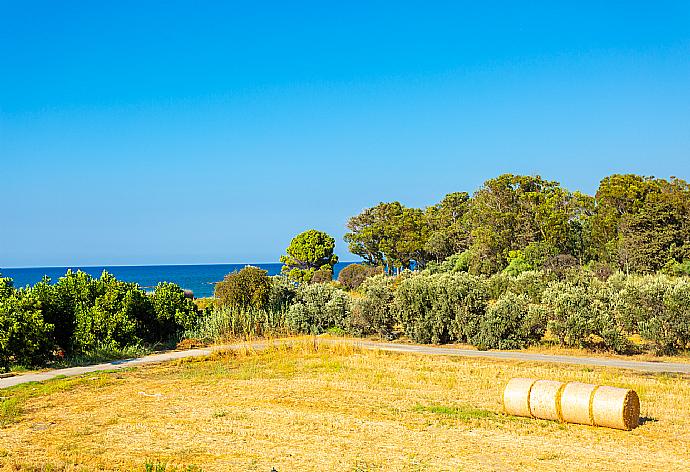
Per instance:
x=643, y=366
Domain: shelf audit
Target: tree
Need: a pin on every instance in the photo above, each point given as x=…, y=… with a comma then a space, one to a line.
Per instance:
x=641, y=223
x=389, y=234
x=308, y=252
x=448, y=230
x=512, y=211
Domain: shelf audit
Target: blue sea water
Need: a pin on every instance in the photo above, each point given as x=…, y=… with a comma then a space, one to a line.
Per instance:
x=198, y=278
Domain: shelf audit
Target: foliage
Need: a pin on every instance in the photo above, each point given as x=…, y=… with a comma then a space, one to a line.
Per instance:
x=448, y=229
x=281, y=294
x=322, y=276
x=455, y=263
x=173, y=310
x=510, y=323
x=353, y=275
x=582, y=314
x=517, y=263
x=372, y=312
x=511, y=211
x=641, y=222
x=390, y=235
x=232, y=322
x=24, y=334
x=317, y=308
x=121, y=315
x=658, y=308
x=440, y=308
x=80, y=316
x=250, y=287
x=308, y=252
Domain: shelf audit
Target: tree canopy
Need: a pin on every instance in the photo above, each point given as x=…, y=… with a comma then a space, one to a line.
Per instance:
x=633, y=223
x=308, y=252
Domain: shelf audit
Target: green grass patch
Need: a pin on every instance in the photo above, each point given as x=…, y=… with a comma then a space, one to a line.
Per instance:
x=465, y=413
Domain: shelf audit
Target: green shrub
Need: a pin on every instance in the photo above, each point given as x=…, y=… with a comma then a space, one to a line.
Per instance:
x=353, y=275
x=122, y=315
x=582, y=314
x=317, y=308
x=414, y=306
x=250, y=287
x=372, y=311
x=282, y=292
x=455, y=263
x=440, y=308
x=322, y=276
x=75, y=292
x=658, y=307
x=511, y=323
x=517, y=263
x=174, y=312
x=25, y=337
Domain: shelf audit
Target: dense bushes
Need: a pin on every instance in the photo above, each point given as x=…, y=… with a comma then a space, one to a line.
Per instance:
x=510, y=323
x=372, y=309
x=318, y=307
x=80, y=314
x=353, y=275
x=576, y=307
x=250, y=287
x=572, y=307
x=658, y=308
x=24, y=334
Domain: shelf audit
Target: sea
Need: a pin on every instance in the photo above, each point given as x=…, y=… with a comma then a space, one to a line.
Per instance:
x=200, y=279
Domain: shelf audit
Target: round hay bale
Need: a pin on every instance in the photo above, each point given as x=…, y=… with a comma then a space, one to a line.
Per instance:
x=617, y=408
x=575, y=403
x=516, y=396
x=544, y=399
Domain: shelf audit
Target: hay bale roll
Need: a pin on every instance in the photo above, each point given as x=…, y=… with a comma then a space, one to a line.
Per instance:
x=545, y=399
x=576, y=400
x=617, y=408
x=516, y=396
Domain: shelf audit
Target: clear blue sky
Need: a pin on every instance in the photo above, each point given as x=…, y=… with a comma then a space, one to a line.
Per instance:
x=190, y=132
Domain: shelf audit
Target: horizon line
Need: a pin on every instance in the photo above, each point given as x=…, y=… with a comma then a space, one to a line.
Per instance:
x=79, y=266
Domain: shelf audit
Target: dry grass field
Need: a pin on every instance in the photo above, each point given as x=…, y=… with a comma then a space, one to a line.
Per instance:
x=309, y=407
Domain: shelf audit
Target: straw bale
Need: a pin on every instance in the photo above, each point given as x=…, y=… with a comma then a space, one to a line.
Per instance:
x=616, y=408
x=544, y=399
x=516, y=396
x=575, y=403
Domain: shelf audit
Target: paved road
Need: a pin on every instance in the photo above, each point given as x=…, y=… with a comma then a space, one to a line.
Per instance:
x=655, y=367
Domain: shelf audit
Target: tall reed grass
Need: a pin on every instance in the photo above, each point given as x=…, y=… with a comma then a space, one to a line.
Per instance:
x=228, y=323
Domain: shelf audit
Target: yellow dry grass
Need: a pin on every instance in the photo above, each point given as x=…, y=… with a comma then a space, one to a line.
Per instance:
x=322, y=408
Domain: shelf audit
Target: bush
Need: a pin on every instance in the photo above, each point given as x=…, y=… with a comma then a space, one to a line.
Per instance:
x=173, y=311
x=122, y=315
x=250, y=287
x=456, y=263
x=511, y=323
x=658, y=307
x=322, y=276
x=283, y=291
x=353, y=275
x=582, y=314
x=25, y=337
x=372, y=311
x=440, y=308
x=75, y=292
x=414, y=306
x=317, y=308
